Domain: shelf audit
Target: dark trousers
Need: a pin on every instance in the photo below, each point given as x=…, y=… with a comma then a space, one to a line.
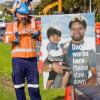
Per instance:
x=26, y=68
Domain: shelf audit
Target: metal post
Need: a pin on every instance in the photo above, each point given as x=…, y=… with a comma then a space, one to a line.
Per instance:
x=60, y=6
x=90, y=4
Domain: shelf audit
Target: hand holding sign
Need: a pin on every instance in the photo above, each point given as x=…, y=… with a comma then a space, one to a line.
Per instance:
x=57, y=68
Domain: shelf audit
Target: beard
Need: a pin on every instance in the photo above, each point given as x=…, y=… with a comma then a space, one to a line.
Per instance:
x=77, y=37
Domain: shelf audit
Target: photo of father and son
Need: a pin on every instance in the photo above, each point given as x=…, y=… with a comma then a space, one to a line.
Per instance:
x=69, y=53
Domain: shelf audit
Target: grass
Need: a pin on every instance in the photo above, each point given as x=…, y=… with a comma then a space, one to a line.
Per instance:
x=6, y=87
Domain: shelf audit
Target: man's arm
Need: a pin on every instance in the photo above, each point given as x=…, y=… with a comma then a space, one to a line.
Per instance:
x=92, y=66
x=92, y=79
x=9, y=37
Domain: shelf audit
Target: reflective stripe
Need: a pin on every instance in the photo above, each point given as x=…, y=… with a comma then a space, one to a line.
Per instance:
x=22, y=50
x=8, y=32
x=33, y=85
x=18, y=86
x=7, y=39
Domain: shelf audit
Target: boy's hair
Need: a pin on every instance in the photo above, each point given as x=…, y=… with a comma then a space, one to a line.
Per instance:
x=53, y=31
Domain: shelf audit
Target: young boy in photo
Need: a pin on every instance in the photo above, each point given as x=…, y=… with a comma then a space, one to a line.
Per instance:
x=55, y=57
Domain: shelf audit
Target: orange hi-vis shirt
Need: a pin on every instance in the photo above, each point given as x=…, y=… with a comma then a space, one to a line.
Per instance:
x=27, y=46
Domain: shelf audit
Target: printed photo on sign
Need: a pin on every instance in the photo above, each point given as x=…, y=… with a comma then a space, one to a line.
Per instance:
x=68, y=50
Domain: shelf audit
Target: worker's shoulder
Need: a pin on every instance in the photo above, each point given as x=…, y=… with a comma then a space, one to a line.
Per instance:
x=9, y=26
x=10, y=23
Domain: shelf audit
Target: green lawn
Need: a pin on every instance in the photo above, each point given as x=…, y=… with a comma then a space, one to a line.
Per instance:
x=6, y=87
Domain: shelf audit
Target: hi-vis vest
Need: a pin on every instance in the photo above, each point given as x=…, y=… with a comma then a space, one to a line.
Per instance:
x=27, y=46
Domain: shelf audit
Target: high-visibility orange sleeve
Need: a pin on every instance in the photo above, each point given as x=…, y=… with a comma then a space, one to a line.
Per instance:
x=9, y=35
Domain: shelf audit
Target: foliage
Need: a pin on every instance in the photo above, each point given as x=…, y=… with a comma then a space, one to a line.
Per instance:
x=67, y=4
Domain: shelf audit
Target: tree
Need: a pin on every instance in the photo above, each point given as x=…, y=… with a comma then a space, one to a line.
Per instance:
x=81, y=5
x=8, y=17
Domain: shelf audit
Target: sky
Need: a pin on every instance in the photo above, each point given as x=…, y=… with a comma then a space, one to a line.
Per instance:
x=11, y=0
x=4, y=1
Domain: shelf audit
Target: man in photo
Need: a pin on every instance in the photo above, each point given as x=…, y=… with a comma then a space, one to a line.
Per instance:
x=82, y=60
